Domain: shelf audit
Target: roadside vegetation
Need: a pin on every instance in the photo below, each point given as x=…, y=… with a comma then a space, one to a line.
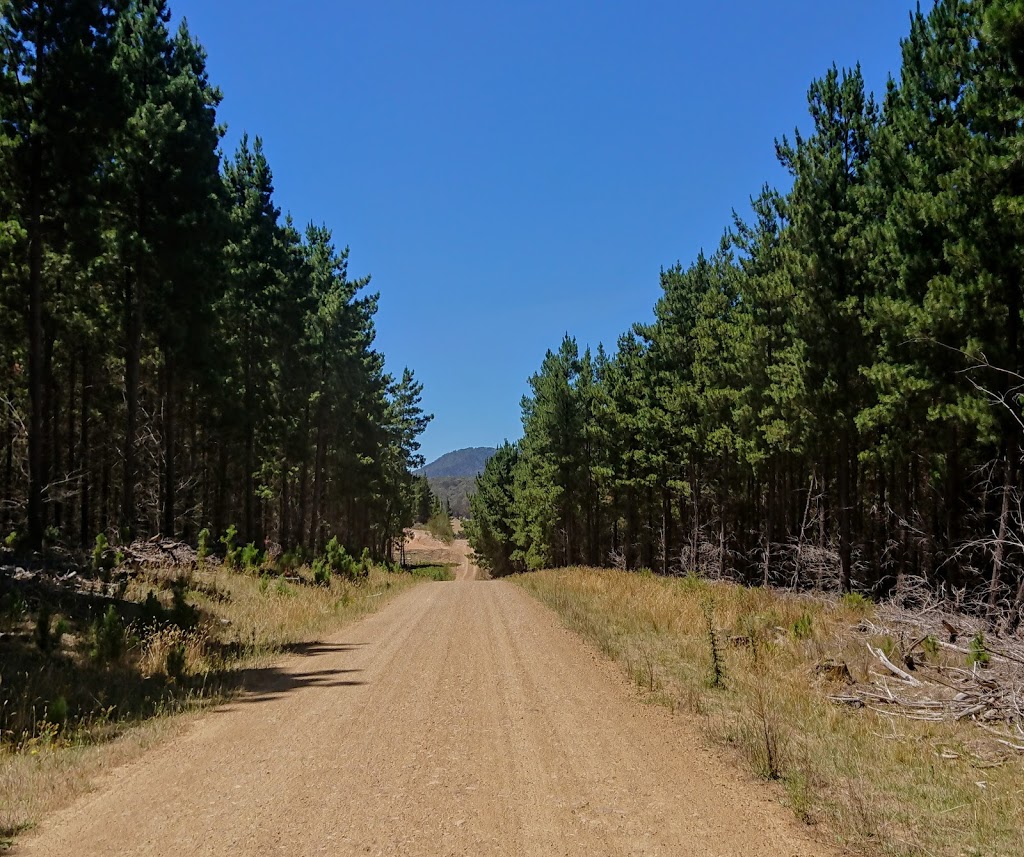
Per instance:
x=788, y=683
x=92, y=669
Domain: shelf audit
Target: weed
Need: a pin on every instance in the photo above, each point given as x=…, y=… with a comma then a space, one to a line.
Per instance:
x=109, y=638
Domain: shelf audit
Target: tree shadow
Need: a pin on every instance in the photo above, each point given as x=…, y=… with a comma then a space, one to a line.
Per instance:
x=266, y=684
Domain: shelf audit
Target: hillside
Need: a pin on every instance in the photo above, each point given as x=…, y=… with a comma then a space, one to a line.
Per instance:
x=456, y=490
x=460, y=463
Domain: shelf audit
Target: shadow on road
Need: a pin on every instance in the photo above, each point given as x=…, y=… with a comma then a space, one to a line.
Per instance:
x=265, y=684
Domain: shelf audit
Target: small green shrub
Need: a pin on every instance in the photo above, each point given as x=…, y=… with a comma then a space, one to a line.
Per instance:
x=977, y=654
x=803, y=627
x=264, y=583
x=856, y=601
x=340, y=562
x=232, y=553
x=283, y=588
x=175, y=663
x=930, y=646
x=321, y=572
x=109, y=638
x=57, y=711
x=104, y=559
x=13, y=540
x=204, y=549
x=44, y=634
x=183, y=614
x=152, y=610
x=717, y=677
x=290, y=560
x=252, y=557
x=60, y=628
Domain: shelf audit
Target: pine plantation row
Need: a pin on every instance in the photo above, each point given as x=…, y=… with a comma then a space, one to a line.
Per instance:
x=831, y=397
x=174, y=355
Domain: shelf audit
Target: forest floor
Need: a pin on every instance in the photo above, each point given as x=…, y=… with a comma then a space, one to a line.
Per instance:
x=461, y=719
x=892, y=731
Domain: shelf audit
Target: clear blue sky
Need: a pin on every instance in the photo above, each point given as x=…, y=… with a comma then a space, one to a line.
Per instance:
x=512, y=171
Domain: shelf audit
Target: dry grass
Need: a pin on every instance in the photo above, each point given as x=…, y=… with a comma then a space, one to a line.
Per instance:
x=116, y=710
x=873, y=783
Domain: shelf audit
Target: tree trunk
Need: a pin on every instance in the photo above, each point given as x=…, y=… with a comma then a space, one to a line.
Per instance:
x=845, y=551
x=999, y=557
x=169, y=428
x=35, y=340
x=133, y=358
x=84, y=458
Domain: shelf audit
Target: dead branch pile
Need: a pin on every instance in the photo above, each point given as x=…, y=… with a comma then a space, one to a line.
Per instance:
x=160, y=552
x=938, y=666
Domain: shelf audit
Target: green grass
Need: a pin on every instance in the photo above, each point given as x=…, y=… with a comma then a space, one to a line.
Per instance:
x=433, y=572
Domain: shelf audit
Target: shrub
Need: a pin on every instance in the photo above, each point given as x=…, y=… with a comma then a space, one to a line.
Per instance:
x=976, y=651
x=203, y=551
x=13, y=540
x=44, y=636
x=175, y=663
x=855, y=601
x=717, y=677
x=803, y=627
x=252, y=557
x=153, y=610
x=109, y=637
x=365, y=563
x=321, y=572
x=290, y=560
x=232, y=553
x=439, y=526
x=183, y=614
x=339, y=561
x=57, y=711
x=104, y=559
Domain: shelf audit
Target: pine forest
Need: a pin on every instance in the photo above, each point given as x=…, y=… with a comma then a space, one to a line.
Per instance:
x=831, y=396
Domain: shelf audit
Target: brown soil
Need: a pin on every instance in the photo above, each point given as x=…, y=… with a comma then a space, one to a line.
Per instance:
x=460, y=720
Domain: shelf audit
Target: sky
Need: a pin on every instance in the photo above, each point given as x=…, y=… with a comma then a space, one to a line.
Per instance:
x=509, y=172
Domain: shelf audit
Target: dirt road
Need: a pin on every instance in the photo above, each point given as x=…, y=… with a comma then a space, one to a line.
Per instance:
x=460, y=720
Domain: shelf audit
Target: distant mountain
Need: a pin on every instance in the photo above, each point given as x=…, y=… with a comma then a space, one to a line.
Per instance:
x=461, y=463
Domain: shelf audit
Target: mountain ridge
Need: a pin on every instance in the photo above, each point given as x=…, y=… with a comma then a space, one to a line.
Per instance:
x=458, y=463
